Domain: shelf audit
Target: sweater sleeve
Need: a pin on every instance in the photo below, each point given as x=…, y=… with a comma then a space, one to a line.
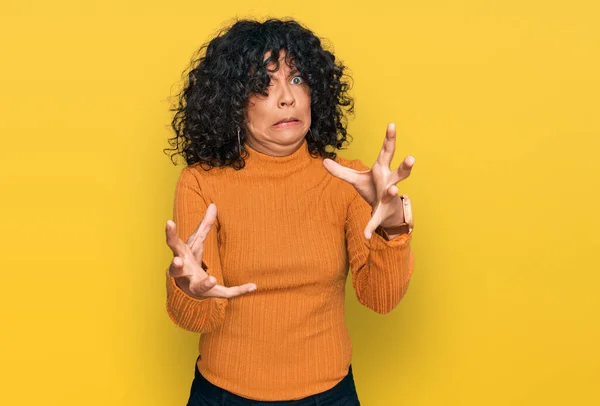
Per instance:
x=189, y=313
x=381, y=269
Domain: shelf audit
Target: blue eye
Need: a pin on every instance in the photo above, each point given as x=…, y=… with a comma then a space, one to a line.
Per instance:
x=297, y=80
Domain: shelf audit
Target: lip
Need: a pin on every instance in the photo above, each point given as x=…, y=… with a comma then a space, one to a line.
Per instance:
x=287, y=122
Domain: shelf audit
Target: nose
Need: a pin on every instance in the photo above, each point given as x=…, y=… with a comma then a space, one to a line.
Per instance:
x=286, y=98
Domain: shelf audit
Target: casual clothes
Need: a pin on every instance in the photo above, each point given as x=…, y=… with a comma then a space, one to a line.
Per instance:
x=293, y=229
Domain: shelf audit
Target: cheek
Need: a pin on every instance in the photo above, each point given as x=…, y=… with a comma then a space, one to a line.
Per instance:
x=307, y=105
x=306, y=99
x=255, y=112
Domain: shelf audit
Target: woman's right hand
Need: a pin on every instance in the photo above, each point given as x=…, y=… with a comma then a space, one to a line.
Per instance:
x=187, y=259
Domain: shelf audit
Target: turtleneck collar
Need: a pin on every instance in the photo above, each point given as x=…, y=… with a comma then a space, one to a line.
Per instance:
x=279, y=164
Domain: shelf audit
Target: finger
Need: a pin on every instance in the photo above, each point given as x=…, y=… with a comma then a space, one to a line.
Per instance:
x=342, y=172
x=370, y=228
x=229, y=292
x=403, y=170
x=209, y=219
x=177, y=269
x=201, y=287
x=208, y=283
x=389, y=146
x=393, y=191
x=173, y=240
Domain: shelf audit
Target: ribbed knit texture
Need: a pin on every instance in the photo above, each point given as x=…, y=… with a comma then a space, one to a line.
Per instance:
x=287, y=225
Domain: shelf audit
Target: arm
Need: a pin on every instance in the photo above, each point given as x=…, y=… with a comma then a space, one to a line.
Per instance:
x=381, y=269
x=193, y=314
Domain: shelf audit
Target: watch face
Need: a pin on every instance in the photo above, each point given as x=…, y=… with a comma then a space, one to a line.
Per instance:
x=406, y=205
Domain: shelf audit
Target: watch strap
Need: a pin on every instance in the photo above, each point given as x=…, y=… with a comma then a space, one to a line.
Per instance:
x=386, y=232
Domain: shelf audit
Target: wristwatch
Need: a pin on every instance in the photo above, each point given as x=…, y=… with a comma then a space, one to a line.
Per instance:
x=404, y=228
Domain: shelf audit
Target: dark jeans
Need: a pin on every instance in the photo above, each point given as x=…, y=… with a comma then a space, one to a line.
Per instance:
x=204, y=393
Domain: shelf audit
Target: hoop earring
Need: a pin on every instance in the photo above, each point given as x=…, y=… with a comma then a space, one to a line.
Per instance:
x=239, y=142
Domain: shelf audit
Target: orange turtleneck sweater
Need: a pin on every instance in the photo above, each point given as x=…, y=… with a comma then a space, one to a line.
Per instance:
x=287, y=225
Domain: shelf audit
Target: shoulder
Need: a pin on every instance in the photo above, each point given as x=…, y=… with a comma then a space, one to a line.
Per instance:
x=197, y=178
x=196, y=172
x=190, y=177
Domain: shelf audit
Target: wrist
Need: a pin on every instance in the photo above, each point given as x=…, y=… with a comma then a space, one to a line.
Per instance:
x=397, y=217
x=389, y=233
x=400, y=222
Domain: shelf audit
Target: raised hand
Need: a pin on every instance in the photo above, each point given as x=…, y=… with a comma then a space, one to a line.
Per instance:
x=186, y=265
x=378, y=184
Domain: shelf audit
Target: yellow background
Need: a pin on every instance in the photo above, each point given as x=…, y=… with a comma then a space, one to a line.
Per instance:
x=498, y=101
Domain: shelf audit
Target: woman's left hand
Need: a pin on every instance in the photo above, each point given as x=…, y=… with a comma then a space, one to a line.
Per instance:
x=378, y=184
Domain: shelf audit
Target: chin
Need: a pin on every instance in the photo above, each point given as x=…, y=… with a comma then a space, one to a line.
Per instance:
x=289, y=133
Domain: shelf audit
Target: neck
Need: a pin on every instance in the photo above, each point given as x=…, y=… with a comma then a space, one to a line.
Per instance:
x=278, y=165
x=274, y=149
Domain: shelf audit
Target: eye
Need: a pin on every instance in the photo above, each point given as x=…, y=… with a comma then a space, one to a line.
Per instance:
x=297, y=80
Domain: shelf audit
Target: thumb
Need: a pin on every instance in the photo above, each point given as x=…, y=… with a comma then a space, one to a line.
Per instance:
x=373, y=223
x=340, y=171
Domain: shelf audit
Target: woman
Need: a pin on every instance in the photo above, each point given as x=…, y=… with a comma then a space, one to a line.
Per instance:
x=263, y=280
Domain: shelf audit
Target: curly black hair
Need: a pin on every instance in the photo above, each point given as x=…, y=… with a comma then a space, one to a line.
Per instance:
x=210, y=110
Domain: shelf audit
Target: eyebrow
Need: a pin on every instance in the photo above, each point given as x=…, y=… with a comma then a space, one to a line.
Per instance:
x=293, y=71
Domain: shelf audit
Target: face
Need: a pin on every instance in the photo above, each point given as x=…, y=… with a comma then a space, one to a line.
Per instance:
x=277, y=123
